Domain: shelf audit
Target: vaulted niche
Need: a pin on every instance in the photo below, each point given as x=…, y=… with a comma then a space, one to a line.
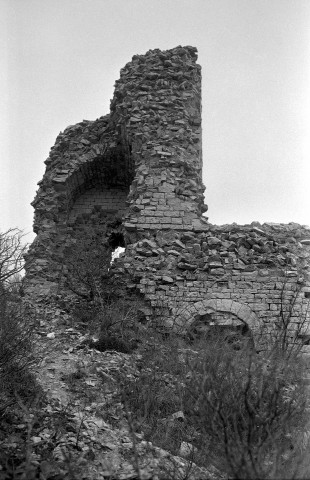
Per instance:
x=100, y=188
x=96, y=203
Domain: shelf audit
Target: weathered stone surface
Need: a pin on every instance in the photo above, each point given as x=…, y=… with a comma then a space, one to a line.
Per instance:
x=137, y=175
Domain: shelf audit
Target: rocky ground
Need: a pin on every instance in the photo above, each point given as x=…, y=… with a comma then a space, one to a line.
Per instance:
x=81, y=430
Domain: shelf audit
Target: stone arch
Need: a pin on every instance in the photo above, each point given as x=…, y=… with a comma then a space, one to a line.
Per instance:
x=95, y=201
x=90, y=196
x=204, y=307
x=103, y=181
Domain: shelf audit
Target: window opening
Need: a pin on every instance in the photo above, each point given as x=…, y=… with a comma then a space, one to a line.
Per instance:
x=117, y=244
x=116, y=253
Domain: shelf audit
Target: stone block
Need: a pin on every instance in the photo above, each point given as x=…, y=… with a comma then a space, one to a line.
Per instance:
x=224, y=305
x=176, y=220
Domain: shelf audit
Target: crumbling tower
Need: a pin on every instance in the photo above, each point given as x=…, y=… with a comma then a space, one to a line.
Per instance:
x=136, y=175
x=156, y=110
x=141, y=164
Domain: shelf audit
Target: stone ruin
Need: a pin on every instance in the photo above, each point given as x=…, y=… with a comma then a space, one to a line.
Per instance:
x=137, y=172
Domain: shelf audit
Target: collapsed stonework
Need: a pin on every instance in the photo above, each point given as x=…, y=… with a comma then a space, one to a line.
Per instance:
x=137, y=173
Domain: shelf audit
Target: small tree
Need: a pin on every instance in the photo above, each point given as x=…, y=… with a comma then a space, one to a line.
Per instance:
x=16, y=330
x=98, y=303
x=86, y=263
x=12, y=250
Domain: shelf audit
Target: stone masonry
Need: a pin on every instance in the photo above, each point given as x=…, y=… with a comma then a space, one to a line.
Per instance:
x=137, y=172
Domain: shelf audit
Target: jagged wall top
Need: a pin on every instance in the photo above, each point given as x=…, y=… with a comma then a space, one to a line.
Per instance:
x=157, y=107
x=137, y=172
x=155, y=125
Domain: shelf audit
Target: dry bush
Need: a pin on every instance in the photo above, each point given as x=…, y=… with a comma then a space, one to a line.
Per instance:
x=12, y=251
x=120, y=323
x=243, y=412
x=110, y=326
x=250, y=405
x=86, y=265
x=20, y=393
x=99, y=306
x=16, y=354
x=156, y=394
x=16, y=329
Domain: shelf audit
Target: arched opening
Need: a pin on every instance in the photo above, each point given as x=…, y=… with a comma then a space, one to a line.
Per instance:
x=116, y=240
x=220, y=325
x=117, y=243
x=91, y=212
x=98, y=190
x=234, y=321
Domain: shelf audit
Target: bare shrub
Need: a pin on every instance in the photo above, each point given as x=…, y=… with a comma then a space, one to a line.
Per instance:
x=16, y=326
x=244, y=412
x=12, y=250
x=16, y=355
x=249, y=404
x=112, y=326
x=87, y=262
x=99, y=306
x=156, y=394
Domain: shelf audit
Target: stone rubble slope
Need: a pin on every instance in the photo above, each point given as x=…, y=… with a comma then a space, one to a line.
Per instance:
x=95, y=434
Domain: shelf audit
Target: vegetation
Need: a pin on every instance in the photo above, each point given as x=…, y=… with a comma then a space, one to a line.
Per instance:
x=100, y=307
x=12, y=250
x=215, y=401
x=233, y=408
x=87, y=262
x=249, y=405
x=16, y=356
x=19, y=390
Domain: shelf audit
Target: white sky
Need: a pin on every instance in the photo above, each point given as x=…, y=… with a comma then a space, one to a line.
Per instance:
x=61, y=58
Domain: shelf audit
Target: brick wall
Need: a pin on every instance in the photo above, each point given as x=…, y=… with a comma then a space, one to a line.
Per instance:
x=112, y=200
x=254, y=274
x=142, y=166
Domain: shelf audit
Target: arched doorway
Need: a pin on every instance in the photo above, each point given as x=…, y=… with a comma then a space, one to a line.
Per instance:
x=234, y=321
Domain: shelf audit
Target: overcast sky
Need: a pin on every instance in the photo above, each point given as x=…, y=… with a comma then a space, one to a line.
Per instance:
x=61, y=58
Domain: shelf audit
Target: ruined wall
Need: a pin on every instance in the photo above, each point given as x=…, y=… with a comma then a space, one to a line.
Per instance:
x=229, y=275
x=87, y=180
x=139, y=170
x=146, y=153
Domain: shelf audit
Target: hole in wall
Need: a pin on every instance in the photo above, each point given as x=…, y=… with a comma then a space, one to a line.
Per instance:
x=117, y=244
x=116, y=253
x=116, y=240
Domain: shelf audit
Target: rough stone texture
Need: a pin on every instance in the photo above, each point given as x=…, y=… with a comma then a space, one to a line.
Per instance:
x=138, y=171
x=232, y=273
